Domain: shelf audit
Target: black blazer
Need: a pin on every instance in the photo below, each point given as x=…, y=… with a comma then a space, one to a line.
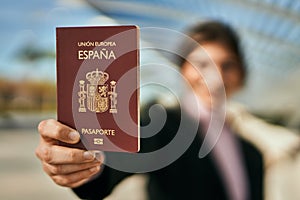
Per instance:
x=188, y=177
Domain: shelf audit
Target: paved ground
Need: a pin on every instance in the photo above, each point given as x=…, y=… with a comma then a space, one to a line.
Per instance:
x=21, y=176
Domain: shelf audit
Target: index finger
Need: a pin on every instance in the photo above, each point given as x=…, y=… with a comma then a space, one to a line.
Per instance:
x=51, y=129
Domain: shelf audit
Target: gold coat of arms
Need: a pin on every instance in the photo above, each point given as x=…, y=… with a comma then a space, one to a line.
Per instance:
x=97, y=95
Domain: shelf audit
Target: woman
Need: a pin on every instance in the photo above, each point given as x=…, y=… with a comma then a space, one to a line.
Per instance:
x=232, y=170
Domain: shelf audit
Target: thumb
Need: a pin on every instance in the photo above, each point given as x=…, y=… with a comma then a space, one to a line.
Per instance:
x=54, y=130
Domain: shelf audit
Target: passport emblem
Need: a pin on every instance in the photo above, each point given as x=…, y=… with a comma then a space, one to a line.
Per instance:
x=97, y=96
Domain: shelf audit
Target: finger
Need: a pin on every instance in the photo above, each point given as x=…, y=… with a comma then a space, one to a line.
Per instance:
x=72, y=180
x=79, y=183
x=52, y=129
x=68, y=168
x=54, y=154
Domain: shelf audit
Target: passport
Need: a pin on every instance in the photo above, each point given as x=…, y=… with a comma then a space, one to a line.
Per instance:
x=98, y=85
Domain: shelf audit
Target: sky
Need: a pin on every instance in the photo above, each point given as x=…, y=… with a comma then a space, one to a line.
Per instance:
x=32, y=24
x=271, y=29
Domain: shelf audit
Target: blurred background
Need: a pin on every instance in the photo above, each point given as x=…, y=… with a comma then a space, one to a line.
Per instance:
x=270, y=34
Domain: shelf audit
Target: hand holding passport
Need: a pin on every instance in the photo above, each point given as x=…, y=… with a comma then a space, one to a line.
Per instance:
x=69, y=167
x=97, y=102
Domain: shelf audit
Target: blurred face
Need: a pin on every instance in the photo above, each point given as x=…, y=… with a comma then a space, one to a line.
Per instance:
x=210, y=71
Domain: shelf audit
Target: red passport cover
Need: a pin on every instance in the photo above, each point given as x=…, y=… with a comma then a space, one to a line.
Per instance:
x=98, y=85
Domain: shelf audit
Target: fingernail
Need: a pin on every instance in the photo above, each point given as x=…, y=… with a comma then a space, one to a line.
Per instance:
x=74, y=135
x=88, y=155
x=98, y=155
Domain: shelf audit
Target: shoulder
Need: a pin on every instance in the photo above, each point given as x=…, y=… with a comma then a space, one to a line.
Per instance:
x=161, y=125
x=157, y=111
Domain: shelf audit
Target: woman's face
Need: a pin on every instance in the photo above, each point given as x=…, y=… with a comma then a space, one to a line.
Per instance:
x=202, y=68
